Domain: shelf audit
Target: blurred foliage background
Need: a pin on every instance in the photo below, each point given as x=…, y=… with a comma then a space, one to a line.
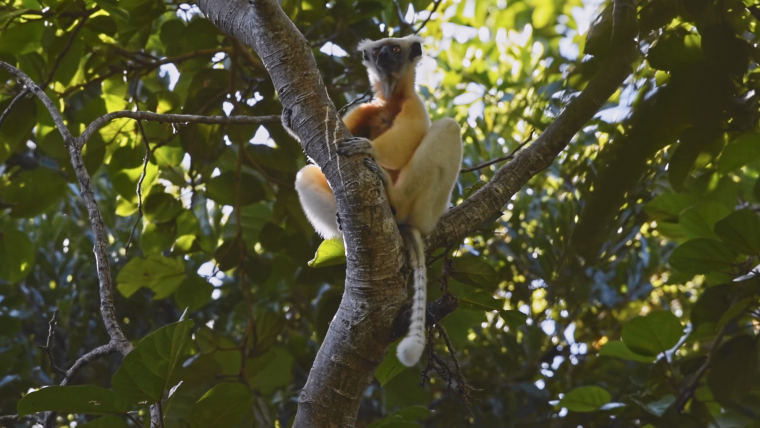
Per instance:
x=631, y=256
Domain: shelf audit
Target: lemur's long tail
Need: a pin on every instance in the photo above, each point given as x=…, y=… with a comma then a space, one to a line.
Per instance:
x=411, y=347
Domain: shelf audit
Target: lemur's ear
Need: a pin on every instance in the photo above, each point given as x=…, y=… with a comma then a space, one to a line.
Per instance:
x=365, y=56
x=415, y=50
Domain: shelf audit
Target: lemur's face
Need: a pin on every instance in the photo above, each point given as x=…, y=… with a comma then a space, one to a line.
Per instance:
x=392, y=58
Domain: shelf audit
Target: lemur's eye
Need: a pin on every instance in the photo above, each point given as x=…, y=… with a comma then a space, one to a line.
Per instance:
x=396, y=49
x=376, y=52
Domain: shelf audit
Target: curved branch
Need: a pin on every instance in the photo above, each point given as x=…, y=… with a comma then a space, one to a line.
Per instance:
x=464, y=218
x=107, y=310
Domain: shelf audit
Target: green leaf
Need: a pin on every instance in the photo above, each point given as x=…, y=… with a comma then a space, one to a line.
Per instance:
x=271, y=371
x=9, y=326
x=223, y=406
x=331, y=252
x=146, y=371
x=156, y=238
x=161, y=207
x=16, y=255
x=699, y=220
x=474, y=271
x=733, y=368
x=675, y=49
x=110, y=421
x=403, y=418
x=734, y=311
x=668, y=206
x=34, y=192
x=741, y=231
x=617, y=348
x=739, y=152
x=89, y=399
x=222, y=189
x=390, y=367
x=21, y=39
x=585, y=399
x=652, y=334
x=161, y=274
x=193, y=293
x=656, y=408
x=701, y=256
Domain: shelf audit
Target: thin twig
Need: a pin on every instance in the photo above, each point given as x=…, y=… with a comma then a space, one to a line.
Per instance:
x=172, y=118
x=436, y=3
x=358, y=99
x=139, y=186
x=511, y=155
x=13, y=104
x=134, y=420
x=63, y=53
x=50, y=343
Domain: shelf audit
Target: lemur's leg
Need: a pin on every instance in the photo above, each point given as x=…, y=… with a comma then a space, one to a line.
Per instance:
x=318, y=201
x=423, y=187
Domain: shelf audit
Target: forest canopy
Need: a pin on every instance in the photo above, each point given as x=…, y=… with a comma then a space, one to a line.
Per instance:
x=152, y=264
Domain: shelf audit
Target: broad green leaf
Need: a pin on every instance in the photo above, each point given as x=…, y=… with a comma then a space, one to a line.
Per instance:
x=89, y=399
x=222, y=189
x=271, y=371
x=699, y=220
x=702, y=255
x=331, y=252
x=34, y=192
x=656, y=408
x=110, y=421
x=617, y=348
x=161, y=207
x=145, y=372
x=733, y=368
x=585, y=399
x=222, y=406
x=156, y=238
x=161, y=274
x=652, y=334
x=390, y=366
x=734, y=311
x=474, y=271
x=675, y=49
x=193, y=293
x=741, y=231
x=668, y=206
x=9, y=325
x=740, y=152
x=16, y=255
x=20, y=39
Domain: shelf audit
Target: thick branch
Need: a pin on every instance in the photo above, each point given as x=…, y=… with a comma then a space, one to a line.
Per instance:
x=375, y=287
x=464, y=218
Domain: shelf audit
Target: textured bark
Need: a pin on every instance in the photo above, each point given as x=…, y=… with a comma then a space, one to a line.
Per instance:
x=375, y=288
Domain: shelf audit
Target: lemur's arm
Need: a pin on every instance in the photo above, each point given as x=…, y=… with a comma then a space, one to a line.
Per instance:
x=395, y=147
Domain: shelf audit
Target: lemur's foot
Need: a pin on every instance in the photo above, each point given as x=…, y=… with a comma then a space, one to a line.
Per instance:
x=355, y=146
x=337, y=219
x=378, y=171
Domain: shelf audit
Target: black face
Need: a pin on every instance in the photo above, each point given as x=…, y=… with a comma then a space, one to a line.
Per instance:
x=390, y=57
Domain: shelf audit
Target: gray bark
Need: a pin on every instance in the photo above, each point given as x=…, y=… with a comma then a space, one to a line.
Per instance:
x=375, y=286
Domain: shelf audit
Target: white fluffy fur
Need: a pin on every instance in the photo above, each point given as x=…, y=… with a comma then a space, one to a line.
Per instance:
x=318, y=205
x=411, y=347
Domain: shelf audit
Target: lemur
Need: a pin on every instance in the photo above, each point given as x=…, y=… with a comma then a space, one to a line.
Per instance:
x=420, y=164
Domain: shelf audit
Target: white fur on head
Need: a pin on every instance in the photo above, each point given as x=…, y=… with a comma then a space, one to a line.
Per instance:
x=405, y=42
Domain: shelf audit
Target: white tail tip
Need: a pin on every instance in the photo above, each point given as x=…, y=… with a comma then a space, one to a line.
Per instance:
x=410, y=350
